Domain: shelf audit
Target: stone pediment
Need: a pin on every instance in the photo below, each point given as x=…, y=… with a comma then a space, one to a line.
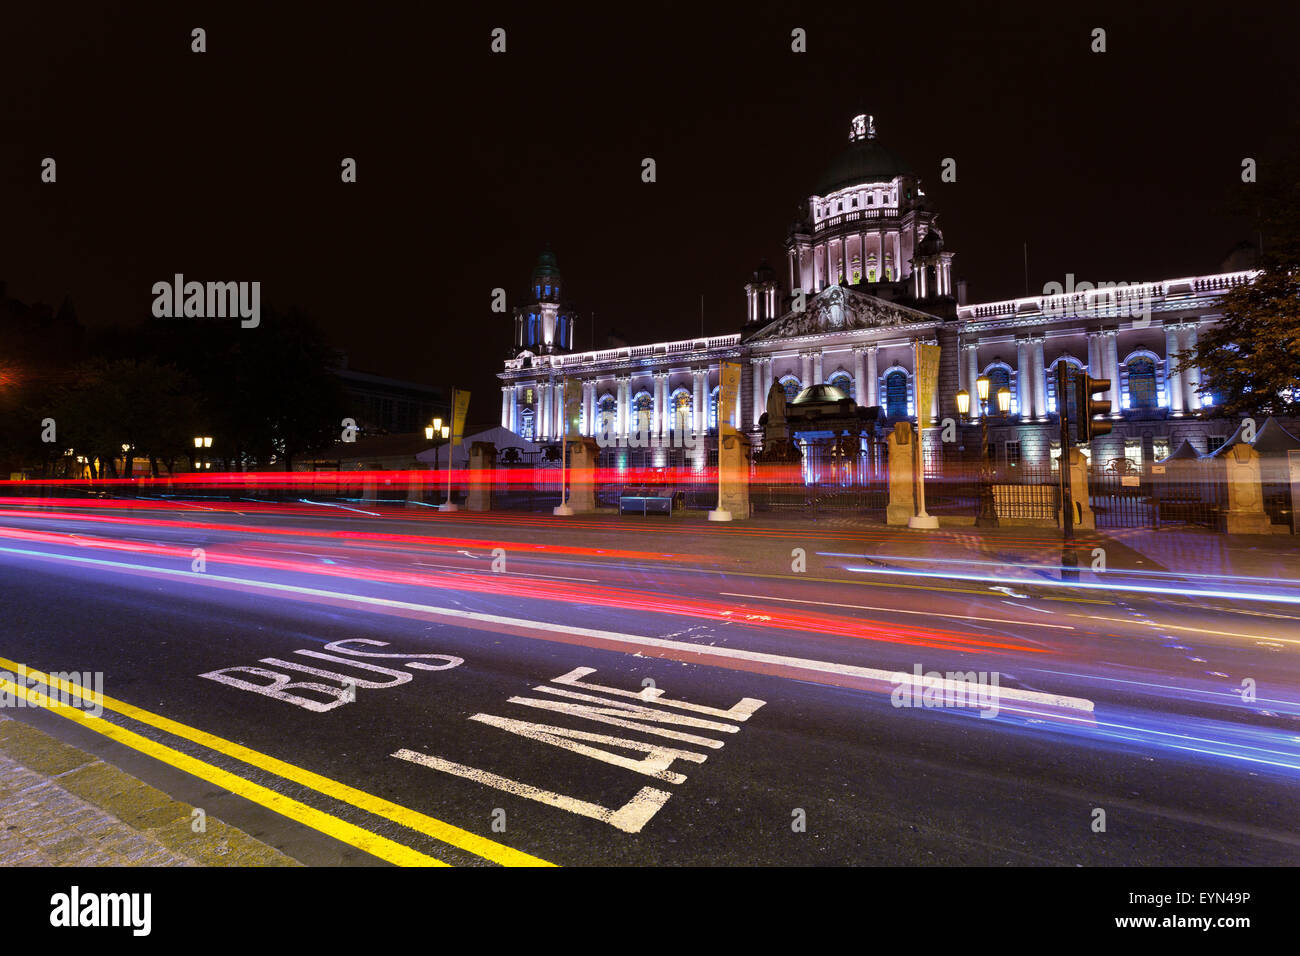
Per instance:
x=840, y=309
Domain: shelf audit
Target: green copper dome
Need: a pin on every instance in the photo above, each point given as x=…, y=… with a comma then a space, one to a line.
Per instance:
x=546, y=266
x=865, y=160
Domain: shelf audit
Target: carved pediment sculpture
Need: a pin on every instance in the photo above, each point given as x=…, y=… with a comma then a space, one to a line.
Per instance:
x=839, y=309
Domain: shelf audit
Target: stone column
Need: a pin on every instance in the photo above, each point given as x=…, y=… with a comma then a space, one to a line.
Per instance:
x=1040, y=380
x=624, y=398
x=1112, y=360
x=973, y=373
x=1174, y=391
x=760, y=397
x=1024, y=374
x=859, y=377
x=543, y=417
x=505, y=406
x=873, y=377
x=805, y=377
x=769, y=376
x=656, y=406
x=818, y=374
x=699, y=418
x=1192, y=377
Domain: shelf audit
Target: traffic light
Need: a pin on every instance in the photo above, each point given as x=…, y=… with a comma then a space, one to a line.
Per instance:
x=1087, y=406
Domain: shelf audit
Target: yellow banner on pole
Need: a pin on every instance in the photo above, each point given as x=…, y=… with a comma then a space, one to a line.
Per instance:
x=460, y=408
x=728, y=396
x=927, y=383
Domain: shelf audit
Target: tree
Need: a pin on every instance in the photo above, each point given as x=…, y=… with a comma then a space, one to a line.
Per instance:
x=1250, y=360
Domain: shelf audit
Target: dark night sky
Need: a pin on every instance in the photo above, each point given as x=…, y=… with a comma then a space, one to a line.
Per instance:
x=225, y=165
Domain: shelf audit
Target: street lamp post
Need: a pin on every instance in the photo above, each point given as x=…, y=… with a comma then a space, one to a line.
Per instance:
x=987, y=516
x=433, y=433
x=201, y=443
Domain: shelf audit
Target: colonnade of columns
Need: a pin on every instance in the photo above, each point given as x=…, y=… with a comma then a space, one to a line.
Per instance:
x=1030, y=385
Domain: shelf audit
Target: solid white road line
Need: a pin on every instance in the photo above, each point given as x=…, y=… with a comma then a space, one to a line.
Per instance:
x=896, y=610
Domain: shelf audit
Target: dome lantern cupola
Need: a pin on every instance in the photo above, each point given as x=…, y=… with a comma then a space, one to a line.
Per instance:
x=545, y=325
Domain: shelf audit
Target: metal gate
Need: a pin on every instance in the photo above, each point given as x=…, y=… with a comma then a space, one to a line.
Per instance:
x=1122, y=496
x=848, y=474
x=527, y=479
x=687, y=475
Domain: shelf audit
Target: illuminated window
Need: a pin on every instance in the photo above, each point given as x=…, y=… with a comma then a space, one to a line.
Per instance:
x=1142, y=383
x=643, y=412
x=606, y=415
x=896, y=403
x=1000, y=377
x=843, y=382
x=682, y=411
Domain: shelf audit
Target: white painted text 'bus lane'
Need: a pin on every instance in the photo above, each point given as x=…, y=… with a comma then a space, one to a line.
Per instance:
x=281, y=686
x=657, y=760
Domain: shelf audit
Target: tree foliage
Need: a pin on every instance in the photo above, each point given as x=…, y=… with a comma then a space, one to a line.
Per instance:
x=1250, y=359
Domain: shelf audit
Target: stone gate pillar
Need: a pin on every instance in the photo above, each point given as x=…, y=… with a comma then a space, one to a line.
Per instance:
x=482, y=464
x=1245, y=494
x=733, y=477
x=584, y=455
x=1084, y=519
x=902, y=494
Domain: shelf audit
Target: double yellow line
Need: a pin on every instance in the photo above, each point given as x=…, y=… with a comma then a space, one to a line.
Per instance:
x=363, y=839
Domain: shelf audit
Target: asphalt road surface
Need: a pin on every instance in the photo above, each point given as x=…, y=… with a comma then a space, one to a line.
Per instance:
x=370, y=687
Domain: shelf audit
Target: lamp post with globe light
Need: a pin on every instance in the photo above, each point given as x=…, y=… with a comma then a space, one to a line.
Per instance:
x=987, y=517
x=433, y=433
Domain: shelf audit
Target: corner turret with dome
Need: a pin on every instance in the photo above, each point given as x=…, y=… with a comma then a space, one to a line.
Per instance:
x=545, y=325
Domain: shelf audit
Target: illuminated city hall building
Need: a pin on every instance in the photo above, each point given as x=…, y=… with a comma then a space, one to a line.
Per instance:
x=877, y=276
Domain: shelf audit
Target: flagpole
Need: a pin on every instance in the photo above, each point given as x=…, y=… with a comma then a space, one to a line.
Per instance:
x=563, y=509
x=447, y=505
x=924, y=395
x=724, y=422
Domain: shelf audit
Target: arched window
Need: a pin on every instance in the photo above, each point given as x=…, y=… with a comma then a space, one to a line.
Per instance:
x=713, y=407
x=844, y=383
x=643, y=413
x=1000, y=377
x=1142, y=383
x=526, y=424
x=896, y=395
x=792, y=387
x=606, y=415
x=681, y=411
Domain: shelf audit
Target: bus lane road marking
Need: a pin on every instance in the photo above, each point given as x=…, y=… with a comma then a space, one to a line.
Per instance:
x=618, y=711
